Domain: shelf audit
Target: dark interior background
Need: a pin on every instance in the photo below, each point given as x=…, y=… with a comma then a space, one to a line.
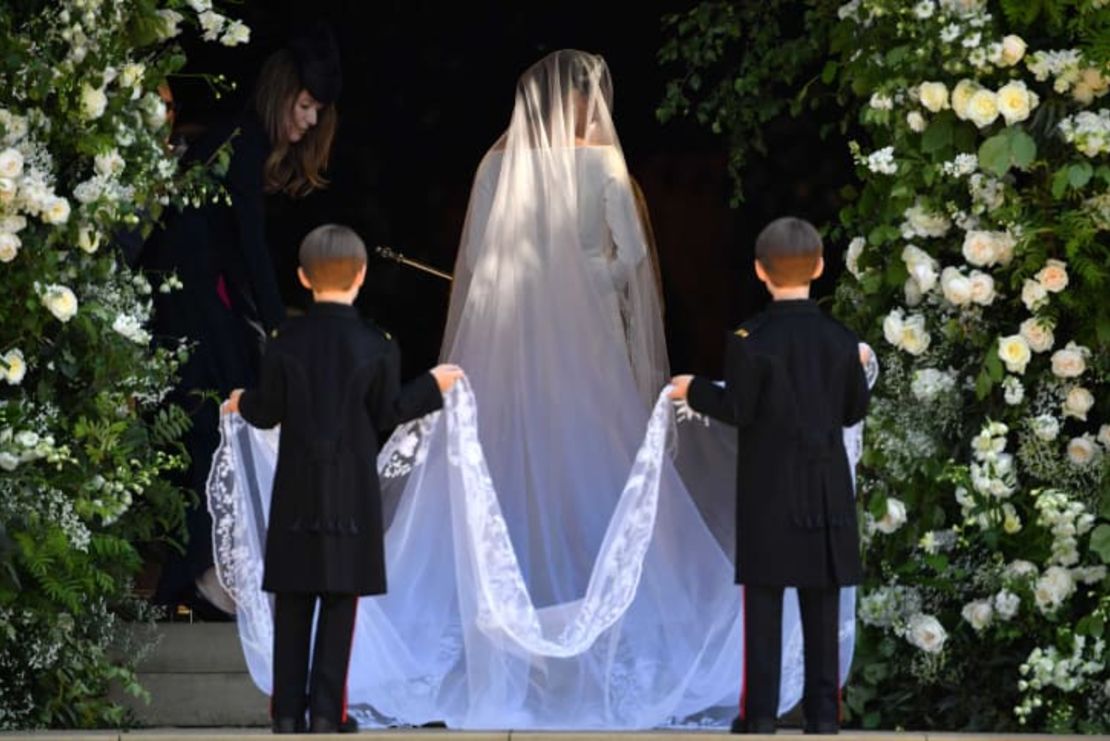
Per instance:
x=428, y=86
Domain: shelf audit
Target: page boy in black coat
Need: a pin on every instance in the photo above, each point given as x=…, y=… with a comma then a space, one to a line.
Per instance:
x=332, y=381
x=793, y=381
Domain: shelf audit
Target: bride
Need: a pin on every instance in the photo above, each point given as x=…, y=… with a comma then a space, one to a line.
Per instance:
x=548, y=568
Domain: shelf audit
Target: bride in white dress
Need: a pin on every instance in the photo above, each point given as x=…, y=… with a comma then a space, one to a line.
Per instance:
x=547, y=566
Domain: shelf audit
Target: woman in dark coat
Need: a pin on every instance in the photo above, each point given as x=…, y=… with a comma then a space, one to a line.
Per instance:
x=230, y=302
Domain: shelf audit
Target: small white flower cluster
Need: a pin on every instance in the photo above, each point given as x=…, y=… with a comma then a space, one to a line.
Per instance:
x=963, y=164
x=1048, y=667
x=1088, y=131
x=993, y=474
x=930, y=383
x=26, y=446
x=987, y=193
x=937, y=541
x=1067, y=520
x=215, y=26
x=882, y=162
x=889, y=607
x=1067, y=69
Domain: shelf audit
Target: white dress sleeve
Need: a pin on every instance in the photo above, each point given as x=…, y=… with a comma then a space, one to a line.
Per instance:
x=622, y=219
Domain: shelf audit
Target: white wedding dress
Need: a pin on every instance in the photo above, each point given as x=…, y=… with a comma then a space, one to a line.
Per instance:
x=548, y=566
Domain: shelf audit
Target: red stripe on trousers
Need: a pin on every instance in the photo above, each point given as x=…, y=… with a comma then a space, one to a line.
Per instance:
x=744, y=646
x=350, y=650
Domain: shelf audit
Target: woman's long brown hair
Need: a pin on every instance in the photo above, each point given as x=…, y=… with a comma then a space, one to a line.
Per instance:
x=292, y=168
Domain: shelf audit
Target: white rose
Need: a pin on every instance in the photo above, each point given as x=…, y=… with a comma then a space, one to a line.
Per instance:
x=955, y=286
x=982, y=109
x=1038, y=334
x=1055, y=586
x=131, y=75
x=978, y=614
x=8, y=189
x=851, y=258
x=60, y=301
x=915, y=339
x=1071, y=362
x=56, y=211
x=16, y=367
x=8, y=462
x=1078, y=402
x=1015, y=353
x=921, y=266
x=88, y=239
x=980, y=248
x=1020, y=569
x=1016, y=102
x=13, y=224
x=915, y=121
x=933, y=96
x=982, y=287
x=9, y=246
x=27, y=438
x=1104, y=436
x=926, y=632
x=211, y=23
x=961, y=97
x=1053, y=276
x=1033, y=295
x=1046, y=427
x=893, y=325
x=894, y=518
x=109, y=163
x=170, y=21
x=1006, y=604
x=11, y=163
x=200, y=5
x=236, y=33
x=93, y=102
x=1013, y=49
x=155, y=109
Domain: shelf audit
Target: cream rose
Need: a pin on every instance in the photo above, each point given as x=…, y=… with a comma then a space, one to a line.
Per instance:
x=8, y=189
x=93, y=102
x=915, y=121
x=1033, y=295
x=55, y=211
x=1016, y=102
x=11, y=163
x=982, y=287
x=1053, y=276
x=60, y=301
x=1104, y=436
x=982, y=109
x=1071, y=362
x=1055, y=586
x=955, y=286
x=926, y=632
x=933, y=96
x=978, y=614
x=1015, y=353
x=16, y=367
x=961, y=97
x=851, y=258
x=1038, y=334
x=1013, y=49
x=980, y=248
x=88, y=239
x=893, y=518
x=1082, y=451
x=9, y=246
x=1078, y=402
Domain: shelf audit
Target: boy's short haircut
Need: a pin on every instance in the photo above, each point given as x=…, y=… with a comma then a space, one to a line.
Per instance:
x=789, y=250
x=331, y=256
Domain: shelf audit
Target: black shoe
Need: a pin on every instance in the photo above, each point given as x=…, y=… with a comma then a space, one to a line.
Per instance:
x=755, y=725
x=434, y=724
x=827, y=729
x=288, y=725
x=326, y=725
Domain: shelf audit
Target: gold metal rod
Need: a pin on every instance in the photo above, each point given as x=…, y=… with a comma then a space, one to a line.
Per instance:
x=390, y=254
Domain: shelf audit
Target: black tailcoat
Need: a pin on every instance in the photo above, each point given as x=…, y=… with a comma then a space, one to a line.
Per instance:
x=793, y=381
x=332, y=381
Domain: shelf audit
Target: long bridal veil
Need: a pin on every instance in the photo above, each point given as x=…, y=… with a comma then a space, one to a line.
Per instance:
x=547, y=565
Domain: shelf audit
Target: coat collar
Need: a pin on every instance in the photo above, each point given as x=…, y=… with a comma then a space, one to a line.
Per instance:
x=794, y=306
x=330, y=308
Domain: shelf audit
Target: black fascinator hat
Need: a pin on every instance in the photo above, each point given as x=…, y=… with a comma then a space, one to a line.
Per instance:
x=317, y=55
